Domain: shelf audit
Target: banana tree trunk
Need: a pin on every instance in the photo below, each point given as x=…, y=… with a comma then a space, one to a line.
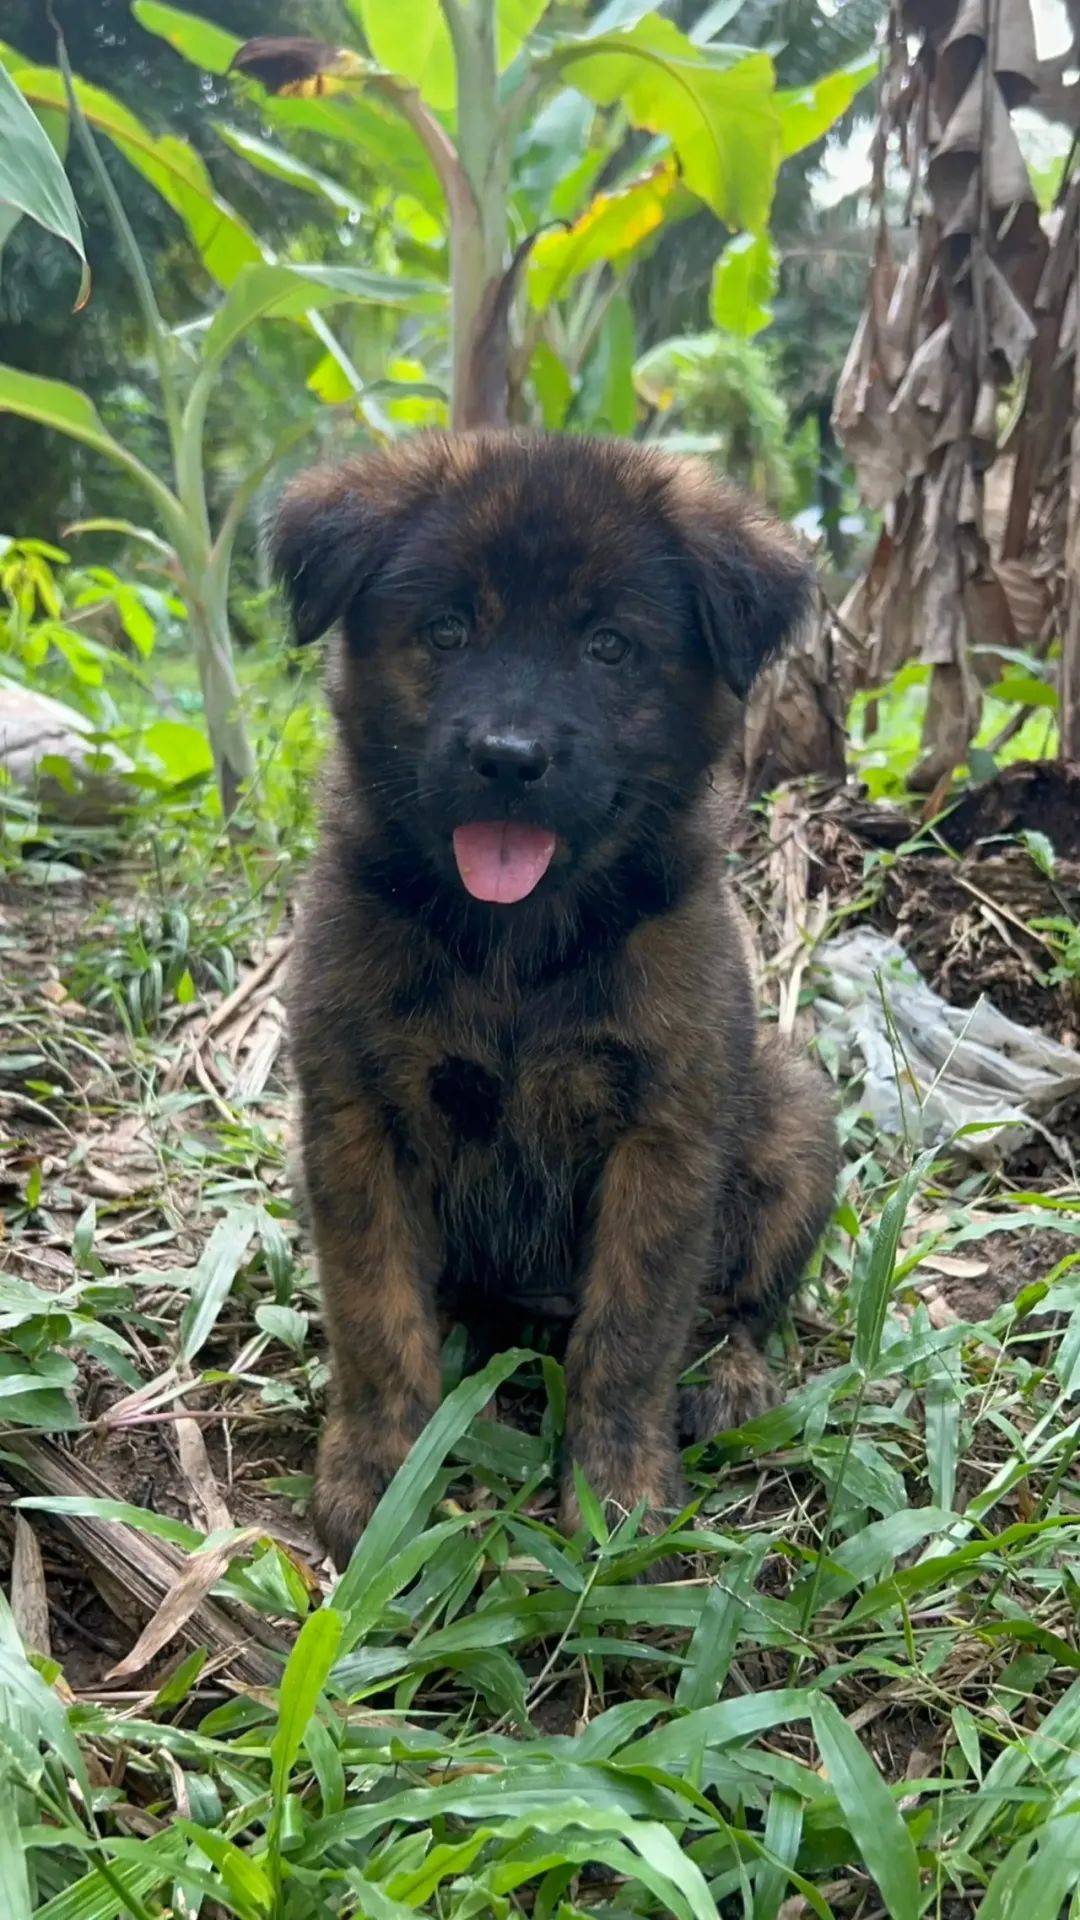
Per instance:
x=480, y=288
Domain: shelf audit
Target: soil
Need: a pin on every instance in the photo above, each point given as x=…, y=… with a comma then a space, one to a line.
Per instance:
x=962, y=907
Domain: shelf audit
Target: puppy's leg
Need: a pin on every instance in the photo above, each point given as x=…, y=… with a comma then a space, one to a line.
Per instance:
x=650, y=1255
x=779, y=1200
x=375, y=1267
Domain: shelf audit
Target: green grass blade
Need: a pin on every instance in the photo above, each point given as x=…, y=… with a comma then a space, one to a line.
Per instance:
x=709, y=1654
x=13, y=1875
x=406, y=1498
x=218, y=1266
x=869, y=1809
x=304, y=1678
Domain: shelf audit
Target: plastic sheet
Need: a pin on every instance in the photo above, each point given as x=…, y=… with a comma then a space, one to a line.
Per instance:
x=951, y=1067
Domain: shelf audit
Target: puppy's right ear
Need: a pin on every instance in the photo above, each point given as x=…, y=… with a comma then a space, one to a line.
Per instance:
x=328, y=538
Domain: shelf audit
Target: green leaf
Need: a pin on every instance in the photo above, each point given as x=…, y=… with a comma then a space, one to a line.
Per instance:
x=12, y=1857
x=52, y=403
x=611, y=227
x=267, y=292
x=806, y=113
x=220, y=1262
x=551, y=384
x=1037, y=1884
x=869, y=1809
x=244, y=1881
x=941, y=1401
x=674, y=1746
x=744, y=284
x=32, y=177
x=104, y=524
x=876, y=1288
x=1024, y=690
x=783, y=1832
x=611, y=374
x=92, y=1898
x=1047, y=1748
x=172, y=167
x=30, y=1399
x=200, y=41
x=709, y=1653
x=183, y=750
x=1041, y=849
x=720, y=116
x=385, y=141
x=31, y=1707
x=967, y=1734
x=303, y=1680
x=281, y=165
x=862, y=1556
x=160, y=1526
x=286, y=1324
x=411, y=38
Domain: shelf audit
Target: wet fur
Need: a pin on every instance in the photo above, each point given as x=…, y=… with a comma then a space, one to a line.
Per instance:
x=564, y=1105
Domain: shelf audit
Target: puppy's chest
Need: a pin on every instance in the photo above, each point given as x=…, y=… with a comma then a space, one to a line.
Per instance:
x=475, y=1095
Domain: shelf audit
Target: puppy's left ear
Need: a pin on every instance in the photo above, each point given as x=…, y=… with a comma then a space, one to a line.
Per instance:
x=753, y=585
x=328, y=536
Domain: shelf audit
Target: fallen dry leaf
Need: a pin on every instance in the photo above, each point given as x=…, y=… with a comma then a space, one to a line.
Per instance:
x=204, y=1570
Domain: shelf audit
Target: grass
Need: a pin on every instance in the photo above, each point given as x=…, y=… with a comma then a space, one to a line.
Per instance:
x=864, y=1696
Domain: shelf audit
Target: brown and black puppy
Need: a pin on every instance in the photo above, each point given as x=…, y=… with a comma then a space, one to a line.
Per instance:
x=522, y=1023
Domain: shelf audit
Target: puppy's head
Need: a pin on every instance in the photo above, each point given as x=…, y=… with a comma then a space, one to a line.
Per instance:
x=544, y=642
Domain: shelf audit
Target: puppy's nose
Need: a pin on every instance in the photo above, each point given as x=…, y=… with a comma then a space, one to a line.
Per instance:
x=509, y=757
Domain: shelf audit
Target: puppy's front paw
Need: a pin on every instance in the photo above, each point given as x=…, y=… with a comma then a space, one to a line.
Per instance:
x=740, y=1388
x=660, y=1487
x=350, y=1480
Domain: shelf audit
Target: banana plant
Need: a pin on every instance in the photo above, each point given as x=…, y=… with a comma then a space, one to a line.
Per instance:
x=478, y=88
x=257, y=289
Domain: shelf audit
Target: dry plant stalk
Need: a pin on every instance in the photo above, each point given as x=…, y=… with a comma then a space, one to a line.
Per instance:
x=956, y=403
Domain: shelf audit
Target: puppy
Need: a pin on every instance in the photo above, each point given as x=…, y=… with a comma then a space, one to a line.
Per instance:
x=522, y=1024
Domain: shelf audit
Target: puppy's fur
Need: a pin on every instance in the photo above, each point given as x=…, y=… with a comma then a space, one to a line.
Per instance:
x=562, y=1104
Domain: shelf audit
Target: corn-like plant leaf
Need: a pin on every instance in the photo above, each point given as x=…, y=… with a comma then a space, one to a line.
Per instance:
x=32, y=177
x=612, y=227
x=709, y=1653
x=172, y=167
x=720, y=115
x=266, y=292
x=806, y=113
x=783, y=1832
x=200, y=41
x=743, y=285
x=876, y=1286
x=411, y=38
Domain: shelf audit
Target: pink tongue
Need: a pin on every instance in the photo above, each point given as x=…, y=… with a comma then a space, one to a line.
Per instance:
x=501, y=860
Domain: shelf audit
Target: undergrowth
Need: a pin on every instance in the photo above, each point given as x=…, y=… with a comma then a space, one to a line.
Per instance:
x=863, y=1696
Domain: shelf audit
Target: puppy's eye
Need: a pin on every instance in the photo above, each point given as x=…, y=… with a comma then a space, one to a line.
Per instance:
x=447, y=632
x=607, y=646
